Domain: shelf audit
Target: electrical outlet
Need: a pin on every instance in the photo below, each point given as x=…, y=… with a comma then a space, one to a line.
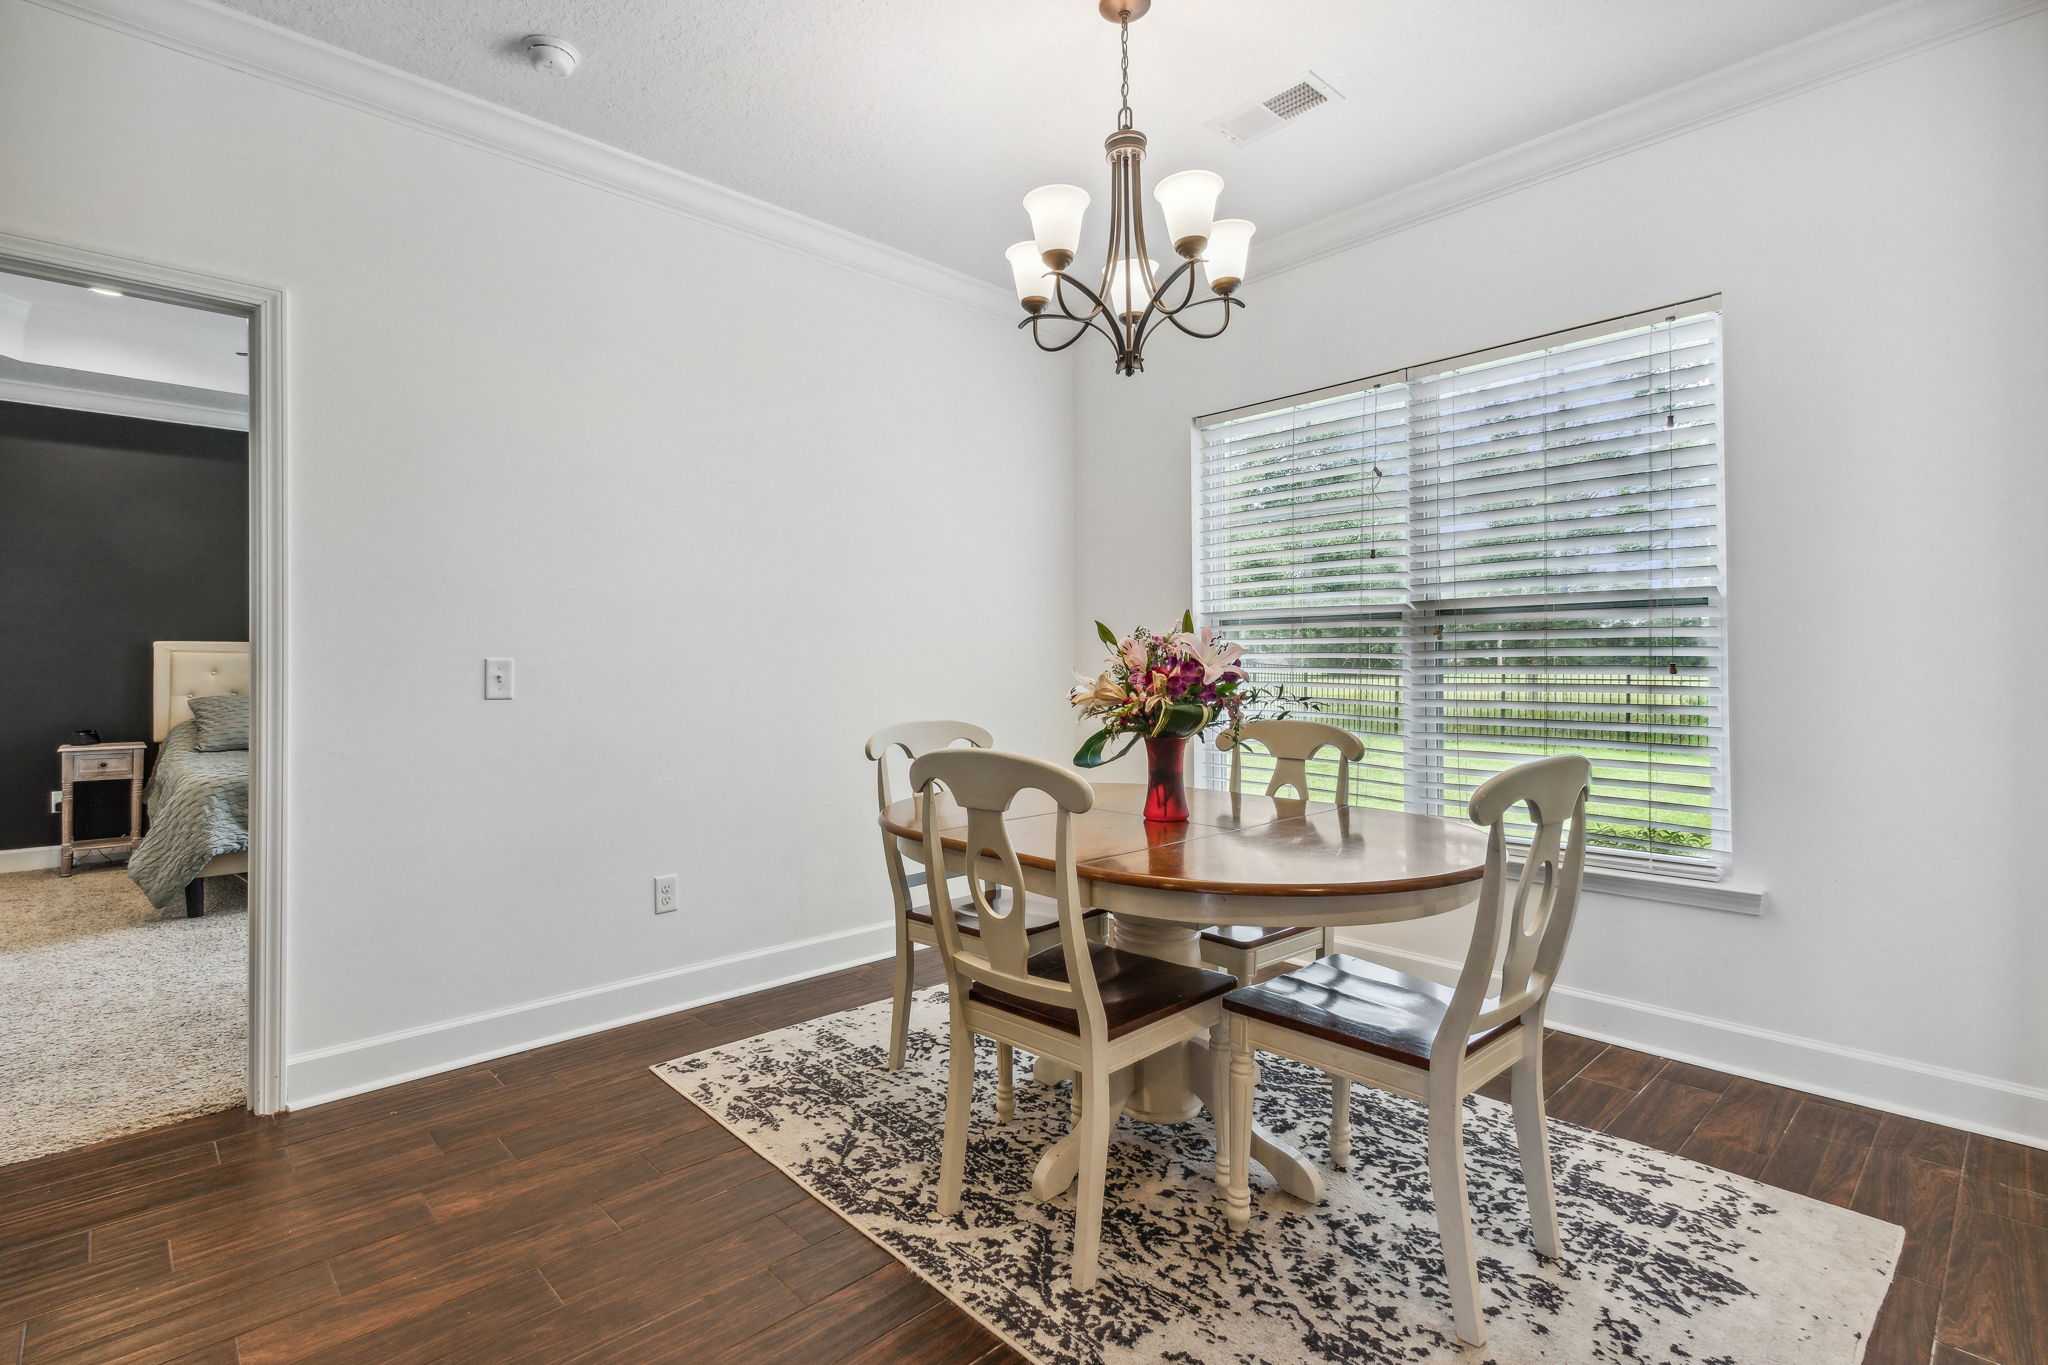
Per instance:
x=56, y=801
x=665, y=894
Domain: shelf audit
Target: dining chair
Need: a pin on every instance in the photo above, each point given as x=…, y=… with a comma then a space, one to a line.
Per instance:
x=913, y=740
x=1097, y=1009
x=1360, y=1021
x=1245, y=950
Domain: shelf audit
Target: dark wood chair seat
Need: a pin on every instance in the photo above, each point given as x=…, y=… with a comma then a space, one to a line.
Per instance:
x=1040, y=912
x=1247, y=935
x=1359, y=1004
x=1136, y=990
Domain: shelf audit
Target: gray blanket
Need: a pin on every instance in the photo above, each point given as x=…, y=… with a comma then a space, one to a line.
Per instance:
x=198, y=810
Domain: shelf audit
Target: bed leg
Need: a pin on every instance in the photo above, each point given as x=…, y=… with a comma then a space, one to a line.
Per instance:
x=195, y=898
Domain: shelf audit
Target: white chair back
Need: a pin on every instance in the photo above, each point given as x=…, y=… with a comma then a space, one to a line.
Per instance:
x=983, y=783
x=914, y=739
x=1537, y=920
x=1292, y=743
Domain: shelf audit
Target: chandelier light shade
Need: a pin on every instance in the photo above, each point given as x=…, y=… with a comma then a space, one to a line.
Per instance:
x=1056, y=212
x=1127, y=301
x=1230, y=240
x=1188, y=199
x=1027, y=267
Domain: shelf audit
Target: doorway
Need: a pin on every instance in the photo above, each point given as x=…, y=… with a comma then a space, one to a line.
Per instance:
x=231, y=305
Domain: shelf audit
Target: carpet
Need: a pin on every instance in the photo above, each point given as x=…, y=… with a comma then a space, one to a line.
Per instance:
x=115, y=1016
x=1666, y=1259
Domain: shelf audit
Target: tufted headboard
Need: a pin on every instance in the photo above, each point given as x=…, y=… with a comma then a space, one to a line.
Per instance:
x=184, y=669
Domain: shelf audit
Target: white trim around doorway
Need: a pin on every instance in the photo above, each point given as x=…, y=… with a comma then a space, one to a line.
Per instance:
x=264, y=306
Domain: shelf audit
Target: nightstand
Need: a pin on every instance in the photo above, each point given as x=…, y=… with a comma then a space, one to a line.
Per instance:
x=117, y=762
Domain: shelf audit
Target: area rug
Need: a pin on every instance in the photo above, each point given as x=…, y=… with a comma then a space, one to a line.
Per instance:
x=115, y=1016
x=1666, y=1259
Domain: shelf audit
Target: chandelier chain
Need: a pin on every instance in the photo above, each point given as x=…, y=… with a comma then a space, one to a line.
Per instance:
x=1123, y=116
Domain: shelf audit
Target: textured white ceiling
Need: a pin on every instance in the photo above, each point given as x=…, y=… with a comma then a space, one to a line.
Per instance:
x=921, y=125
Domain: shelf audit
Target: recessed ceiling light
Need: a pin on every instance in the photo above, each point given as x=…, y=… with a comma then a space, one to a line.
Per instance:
x=102, y=289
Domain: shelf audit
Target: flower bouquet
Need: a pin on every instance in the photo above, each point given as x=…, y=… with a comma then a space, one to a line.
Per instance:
x=1164, y=688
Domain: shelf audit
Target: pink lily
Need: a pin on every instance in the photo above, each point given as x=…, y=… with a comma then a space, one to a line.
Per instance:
x=1211, y=651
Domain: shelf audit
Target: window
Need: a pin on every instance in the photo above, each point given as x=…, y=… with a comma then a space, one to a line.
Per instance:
x=1491, y=558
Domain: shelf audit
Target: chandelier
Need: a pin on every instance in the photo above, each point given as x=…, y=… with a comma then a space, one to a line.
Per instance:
x=1128, y=302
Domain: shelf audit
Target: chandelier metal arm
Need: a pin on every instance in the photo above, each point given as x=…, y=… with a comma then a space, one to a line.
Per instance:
x=1060, y=280
x=1174, y=318
x=1100, y=319
x=1158, y=303
x=1082, y=326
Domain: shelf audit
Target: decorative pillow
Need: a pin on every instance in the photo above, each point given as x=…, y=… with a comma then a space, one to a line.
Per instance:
x=222, y=722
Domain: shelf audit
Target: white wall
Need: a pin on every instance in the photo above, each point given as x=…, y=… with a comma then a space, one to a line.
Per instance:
x=671, y=479
x=1879, y=245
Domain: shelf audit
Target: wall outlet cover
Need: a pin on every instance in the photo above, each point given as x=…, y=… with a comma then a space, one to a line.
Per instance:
x=665, y=894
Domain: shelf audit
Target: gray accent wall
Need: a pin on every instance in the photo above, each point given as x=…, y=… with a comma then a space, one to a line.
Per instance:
x=114, y=532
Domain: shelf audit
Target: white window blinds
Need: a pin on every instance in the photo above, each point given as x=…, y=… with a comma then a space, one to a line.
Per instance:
x=1482, y=561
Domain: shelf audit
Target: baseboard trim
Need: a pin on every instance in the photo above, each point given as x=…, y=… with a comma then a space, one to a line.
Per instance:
x=1957, y=1099
x=28, y=859
x=333, y=1073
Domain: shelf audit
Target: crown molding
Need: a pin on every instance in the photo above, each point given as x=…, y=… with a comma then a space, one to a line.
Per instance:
x=148, y=407
x=236, y=40
x=1861, y=44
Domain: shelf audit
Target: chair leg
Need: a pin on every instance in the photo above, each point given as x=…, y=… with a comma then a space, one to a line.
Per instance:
x=1097, y=1119
x=1532, y=1135
x=1454, y=1210
x=959, y=1115
x=899, y=1020
x=1244, y=1080
x=1006, y=1090
x=1340, y=1122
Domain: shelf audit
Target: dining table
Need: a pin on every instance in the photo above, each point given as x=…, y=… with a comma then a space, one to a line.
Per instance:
x=1239, y=859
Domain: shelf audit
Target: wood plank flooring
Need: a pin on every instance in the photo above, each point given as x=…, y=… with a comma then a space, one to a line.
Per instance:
x=564, y=1205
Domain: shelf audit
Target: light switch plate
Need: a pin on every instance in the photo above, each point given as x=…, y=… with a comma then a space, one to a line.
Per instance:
x=497, y=680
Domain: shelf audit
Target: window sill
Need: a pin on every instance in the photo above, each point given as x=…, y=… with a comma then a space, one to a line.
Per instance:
x=1733, y=900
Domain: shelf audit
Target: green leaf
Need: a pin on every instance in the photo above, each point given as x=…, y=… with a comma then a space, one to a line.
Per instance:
x=1187, y=622
x=1182, y=718
x=1108, y=636
x=1090, y=754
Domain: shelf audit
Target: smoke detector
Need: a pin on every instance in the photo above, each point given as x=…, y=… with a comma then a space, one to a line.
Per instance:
x=1275, y=110
x=555, y=56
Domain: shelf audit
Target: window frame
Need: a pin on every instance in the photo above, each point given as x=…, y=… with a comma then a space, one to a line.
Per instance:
x=1643, y=872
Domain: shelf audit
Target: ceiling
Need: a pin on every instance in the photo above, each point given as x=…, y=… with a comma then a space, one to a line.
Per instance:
x=921, y=125
x=68, y=327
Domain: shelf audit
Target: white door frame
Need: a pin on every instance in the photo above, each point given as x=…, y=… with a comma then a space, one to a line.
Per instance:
x=264, y=307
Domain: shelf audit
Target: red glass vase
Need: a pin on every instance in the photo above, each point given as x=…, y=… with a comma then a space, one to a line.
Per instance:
x=1166, y=797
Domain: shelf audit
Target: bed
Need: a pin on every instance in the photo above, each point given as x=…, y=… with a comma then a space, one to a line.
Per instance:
x=198, y=802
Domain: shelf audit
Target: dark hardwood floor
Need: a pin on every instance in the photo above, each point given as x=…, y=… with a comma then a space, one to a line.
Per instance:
x=565, y=1205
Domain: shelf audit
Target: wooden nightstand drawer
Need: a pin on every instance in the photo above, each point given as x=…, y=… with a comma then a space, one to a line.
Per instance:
x=103, y=765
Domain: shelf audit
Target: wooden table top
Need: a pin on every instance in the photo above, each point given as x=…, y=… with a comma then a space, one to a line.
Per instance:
x=1249, y=846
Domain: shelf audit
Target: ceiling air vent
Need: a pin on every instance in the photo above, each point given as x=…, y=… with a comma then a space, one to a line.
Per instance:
x=1275, y=110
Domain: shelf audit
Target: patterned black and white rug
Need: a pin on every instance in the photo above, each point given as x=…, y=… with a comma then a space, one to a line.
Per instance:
x=1666, y=1259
